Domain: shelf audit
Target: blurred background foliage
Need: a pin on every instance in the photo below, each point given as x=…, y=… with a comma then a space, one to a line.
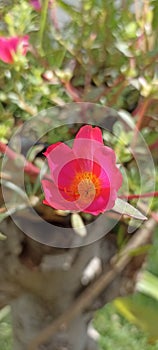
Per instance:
x=105, y=52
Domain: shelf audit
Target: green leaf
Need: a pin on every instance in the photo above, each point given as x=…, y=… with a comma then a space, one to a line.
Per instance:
x=56, y=58
x=125, y=208
x=148, y=285
x=4, y=312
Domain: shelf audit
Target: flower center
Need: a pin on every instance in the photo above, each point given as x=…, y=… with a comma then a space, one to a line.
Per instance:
x=86, y=190
x=86, y=186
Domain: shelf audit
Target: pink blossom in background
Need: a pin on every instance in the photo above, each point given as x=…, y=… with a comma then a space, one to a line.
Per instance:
x=9, y=46
x=36, y=5
x=85, y=177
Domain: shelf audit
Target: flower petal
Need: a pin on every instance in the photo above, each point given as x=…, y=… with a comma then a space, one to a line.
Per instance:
x=66, y=179
x=69, y=172
x=85, y=148
x=36, y=5
x=54, y=198
x=51, y=147
x=58, y=155
x=86, y=141
x=102, y=203
x=8, y=46
x=106, y=157
x=88, y=132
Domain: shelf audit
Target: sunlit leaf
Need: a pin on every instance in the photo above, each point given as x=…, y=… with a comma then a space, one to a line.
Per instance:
x=148, y=284
x=125, y=208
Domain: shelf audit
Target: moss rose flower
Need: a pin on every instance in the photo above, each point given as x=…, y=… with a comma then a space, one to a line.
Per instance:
x=9, y=46
x=84, y=177
x=36, y=5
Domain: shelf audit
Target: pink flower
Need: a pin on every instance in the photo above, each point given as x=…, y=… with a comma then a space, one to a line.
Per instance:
x=9, y=46
x=84, y=177
x=36, y=5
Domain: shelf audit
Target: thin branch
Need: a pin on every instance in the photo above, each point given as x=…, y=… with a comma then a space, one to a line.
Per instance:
x=71, y=91
x=143, y=108
x=154, y=145
x=143, y=195
x=28, y=167
x=95, y=289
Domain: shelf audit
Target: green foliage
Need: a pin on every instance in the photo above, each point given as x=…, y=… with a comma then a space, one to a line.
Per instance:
x=109, y=60
x=117, y=333
x=142, y=307
x=20, y=19
x=108, y=44
x=101, y=51
x=141, y=310
x=5, y=329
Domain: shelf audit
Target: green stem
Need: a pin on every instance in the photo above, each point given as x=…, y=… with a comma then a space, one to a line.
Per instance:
x=43, y=24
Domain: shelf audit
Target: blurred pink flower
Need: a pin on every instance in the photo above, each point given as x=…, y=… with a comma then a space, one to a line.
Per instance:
x=36, y=5
x=84, y=177
x=9, y=46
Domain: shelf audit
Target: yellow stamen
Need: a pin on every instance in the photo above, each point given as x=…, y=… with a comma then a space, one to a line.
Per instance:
x=86, y=186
